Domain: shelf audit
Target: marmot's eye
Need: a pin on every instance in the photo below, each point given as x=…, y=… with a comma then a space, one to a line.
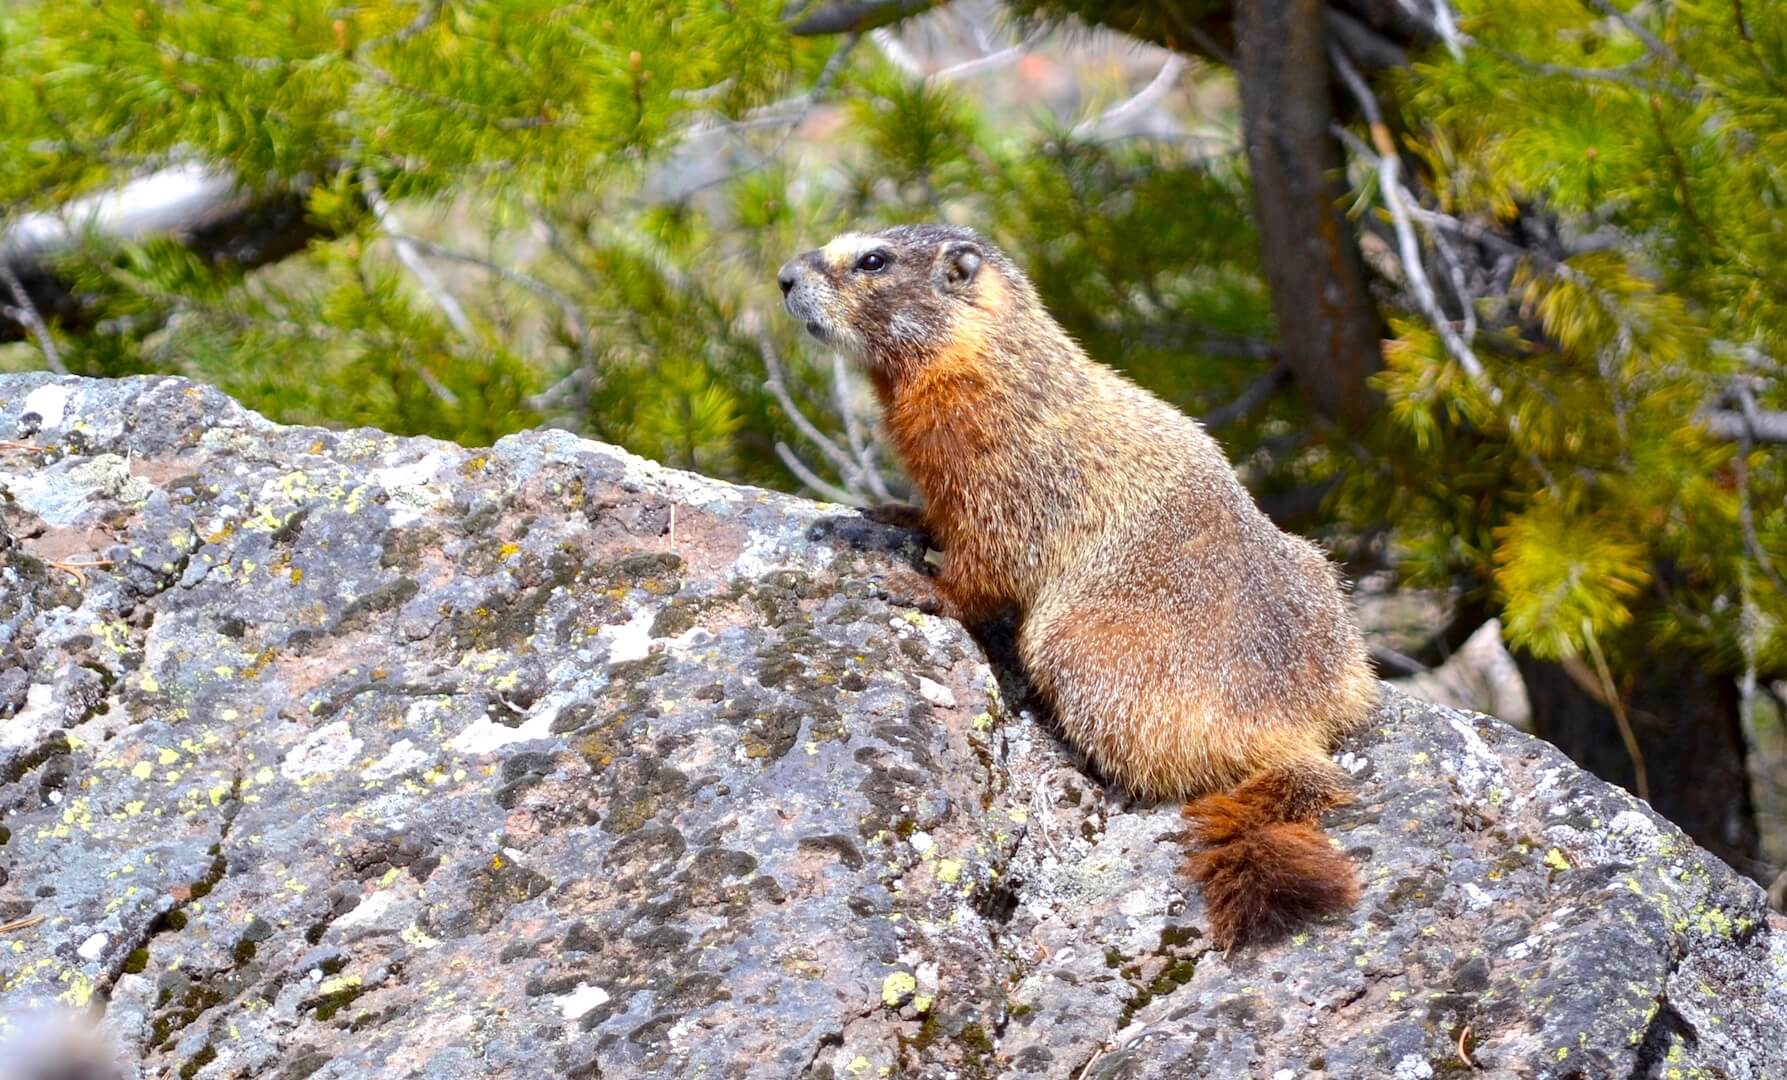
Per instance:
x=872, y=263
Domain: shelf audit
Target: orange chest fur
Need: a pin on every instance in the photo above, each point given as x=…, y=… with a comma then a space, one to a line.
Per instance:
x=944, y=423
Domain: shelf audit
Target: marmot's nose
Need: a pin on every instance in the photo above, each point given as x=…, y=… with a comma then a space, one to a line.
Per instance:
x=785, y=277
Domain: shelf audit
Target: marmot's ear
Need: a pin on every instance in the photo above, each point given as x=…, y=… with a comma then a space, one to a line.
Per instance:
x=958, y=265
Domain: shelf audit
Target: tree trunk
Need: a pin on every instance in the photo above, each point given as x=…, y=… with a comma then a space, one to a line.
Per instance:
x=1690, y=731
x=1327, y=325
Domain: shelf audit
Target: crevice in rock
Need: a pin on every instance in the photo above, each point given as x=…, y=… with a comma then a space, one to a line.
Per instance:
x=54, y=744
x=829, y=1041
x=1666, y=1028
x=1083, y=1067
x=1666, y=1025
x=191, y=1066
x=165, y=579
x=174, y=919
x=334, y=703
x=996, y=902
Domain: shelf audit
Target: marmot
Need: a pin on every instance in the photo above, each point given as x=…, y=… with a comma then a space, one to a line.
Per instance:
x=52, y=1043
x=1189, y=648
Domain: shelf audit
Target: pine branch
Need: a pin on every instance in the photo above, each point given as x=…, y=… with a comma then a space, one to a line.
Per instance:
x=1746, y=519
x=452, y=104
x=1623, y=75
x=573, y=314
x=431, y=10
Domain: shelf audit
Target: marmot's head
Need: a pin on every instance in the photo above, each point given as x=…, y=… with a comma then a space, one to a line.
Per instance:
x=901, y=295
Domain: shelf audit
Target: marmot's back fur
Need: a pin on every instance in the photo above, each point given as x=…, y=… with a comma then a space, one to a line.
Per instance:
x=1188, y=646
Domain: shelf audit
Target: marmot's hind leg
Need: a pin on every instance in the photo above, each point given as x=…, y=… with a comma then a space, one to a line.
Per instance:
x=1117, y=680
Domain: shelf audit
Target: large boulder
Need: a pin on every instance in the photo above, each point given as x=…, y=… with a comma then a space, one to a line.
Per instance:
x=338, y=754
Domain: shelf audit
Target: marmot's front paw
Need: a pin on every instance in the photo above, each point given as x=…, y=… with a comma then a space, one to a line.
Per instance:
x=899, y=515
x=911, y=589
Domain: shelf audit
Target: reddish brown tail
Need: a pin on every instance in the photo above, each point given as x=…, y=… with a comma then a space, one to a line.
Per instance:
x=1266, y=866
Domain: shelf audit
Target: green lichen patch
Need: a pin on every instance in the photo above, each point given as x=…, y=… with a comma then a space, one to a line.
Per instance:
x=334, y=995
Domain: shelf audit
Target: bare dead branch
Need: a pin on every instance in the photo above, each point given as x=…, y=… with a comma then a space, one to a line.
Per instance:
x=1143, y=99
x=408, y=255
x=855, y=16
x=991, y=61
x=1257, y=393
x=813, y=480
x=556, y=241
x=569, y=394
x=863, y=482
x=425, y=276
x=897, y=53
x=1638, y=30
x=1372, y=50
x=539, y=288
x=1199, y=37
x=1396, y=200
x=175, y=198
x=1610, y=696
x=1385, y=657
x=1460, y=289
x=777, y=385
x=1439, y=21
x=1734, y=426
x=26, y=312
x=803, y=107
x=1446, y=24
x=860, y=447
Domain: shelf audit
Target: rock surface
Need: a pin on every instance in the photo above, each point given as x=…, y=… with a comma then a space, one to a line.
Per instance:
x=360, y=755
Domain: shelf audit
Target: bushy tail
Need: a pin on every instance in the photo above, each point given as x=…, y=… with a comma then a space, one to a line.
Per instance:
x=56, y=1044
x=1265, y=865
